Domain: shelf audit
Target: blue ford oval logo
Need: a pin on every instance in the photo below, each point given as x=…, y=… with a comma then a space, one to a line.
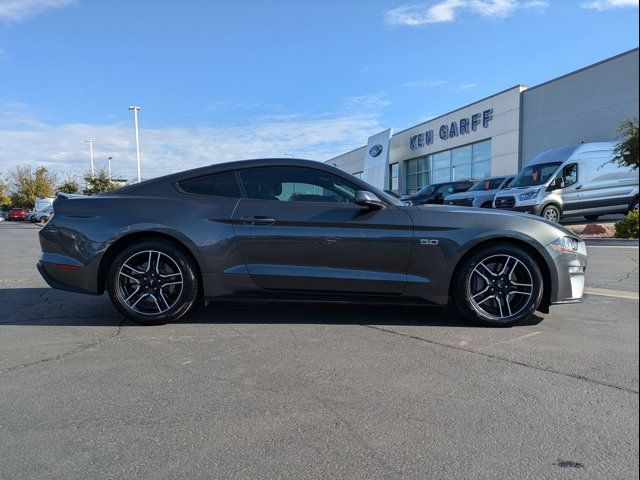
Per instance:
x=375, y=150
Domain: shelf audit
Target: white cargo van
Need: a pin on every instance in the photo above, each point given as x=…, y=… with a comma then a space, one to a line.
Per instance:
x=575, y=180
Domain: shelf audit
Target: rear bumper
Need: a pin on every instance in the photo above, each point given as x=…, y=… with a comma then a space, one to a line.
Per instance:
x=65, y=273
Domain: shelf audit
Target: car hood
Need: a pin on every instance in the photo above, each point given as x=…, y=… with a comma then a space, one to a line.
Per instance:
x=486, y=222
x=519, y=190
x=471, y=194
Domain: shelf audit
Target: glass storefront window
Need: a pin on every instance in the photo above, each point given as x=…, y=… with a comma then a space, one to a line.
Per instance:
x=481, y=151
x=481, y=170
x=460, y=156
x=393, y=177
x=441, y=175
x=461, y=172
x=442, y=159
x=462, y=163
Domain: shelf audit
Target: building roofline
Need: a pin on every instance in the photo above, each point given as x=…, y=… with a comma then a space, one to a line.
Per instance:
x=519, y=85
x=345, y=153
x=583, y=69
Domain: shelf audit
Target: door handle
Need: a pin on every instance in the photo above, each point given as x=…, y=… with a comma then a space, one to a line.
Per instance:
x=578, y=187
x=258, y=220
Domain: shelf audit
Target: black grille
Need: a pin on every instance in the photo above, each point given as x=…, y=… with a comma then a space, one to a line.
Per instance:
x=463, y=202
x=505, y=202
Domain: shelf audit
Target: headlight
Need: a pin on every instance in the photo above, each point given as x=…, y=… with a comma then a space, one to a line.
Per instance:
x=565, y=244
x=529, y=195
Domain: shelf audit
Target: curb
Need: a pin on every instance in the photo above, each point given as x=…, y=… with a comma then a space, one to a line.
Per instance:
x=611, y=242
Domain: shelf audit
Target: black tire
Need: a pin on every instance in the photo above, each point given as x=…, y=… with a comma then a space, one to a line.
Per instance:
x=487, y=205
x=634, y=205
x=552, y=213
x=521, y=307
x=592, y=218
x=175, y=303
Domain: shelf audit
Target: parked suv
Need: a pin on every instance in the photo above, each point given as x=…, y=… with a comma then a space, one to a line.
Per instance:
x=481, y=194
x=575, y=180
x=436, y=192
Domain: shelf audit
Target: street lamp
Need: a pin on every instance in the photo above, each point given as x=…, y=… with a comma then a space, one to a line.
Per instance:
x=109, y=160
x=90, y=142
x=136, y=109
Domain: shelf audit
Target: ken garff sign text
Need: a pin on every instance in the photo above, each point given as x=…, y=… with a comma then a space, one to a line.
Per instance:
x=453, y=129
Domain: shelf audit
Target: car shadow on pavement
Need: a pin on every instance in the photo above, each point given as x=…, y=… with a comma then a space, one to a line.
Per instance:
x=46, y=307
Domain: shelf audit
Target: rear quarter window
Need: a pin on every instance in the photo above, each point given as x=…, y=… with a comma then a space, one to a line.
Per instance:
x=222, y=184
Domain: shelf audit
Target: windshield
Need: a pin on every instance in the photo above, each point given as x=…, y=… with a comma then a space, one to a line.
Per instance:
x=426, y=190
x=488, y=184
x=535, y=174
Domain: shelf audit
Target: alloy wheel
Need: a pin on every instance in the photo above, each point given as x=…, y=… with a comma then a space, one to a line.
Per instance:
x=500, y=286
x=551, y=214
x=150, y=282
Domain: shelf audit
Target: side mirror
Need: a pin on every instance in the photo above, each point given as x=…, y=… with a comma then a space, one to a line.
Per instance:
x=368, y=199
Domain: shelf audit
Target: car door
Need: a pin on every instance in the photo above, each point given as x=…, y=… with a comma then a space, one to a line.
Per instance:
x=442, y=192
x=298, y=229
x=570, y=188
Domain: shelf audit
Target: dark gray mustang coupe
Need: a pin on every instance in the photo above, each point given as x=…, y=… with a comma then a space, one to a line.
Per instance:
x=283, y=229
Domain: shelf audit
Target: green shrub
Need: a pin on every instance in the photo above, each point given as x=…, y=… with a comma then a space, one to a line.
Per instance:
x=628, y=228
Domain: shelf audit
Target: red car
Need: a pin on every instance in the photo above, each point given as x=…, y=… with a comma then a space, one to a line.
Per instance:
x=17, y=214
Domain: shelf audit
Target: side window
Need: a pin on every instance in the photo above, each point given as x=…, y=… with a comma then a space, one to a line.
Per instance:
x=222, y=184
x=462, y=186
x=507, y=183
x=570, y=175
x=296, y=184
x=446, y=189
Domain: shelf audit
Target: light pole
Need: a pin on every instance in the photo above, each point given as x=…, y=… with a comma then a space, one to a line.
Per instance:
x=136, y=109
x=109, y=160
x=90, y=142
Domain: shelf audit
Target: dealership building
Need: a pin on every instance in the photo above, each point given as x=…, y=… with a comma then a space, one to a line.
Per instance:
x=499, y=134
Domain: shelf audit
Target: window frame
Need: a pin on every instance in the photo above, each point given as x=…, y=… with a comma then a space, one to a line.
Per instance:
x=234, y=171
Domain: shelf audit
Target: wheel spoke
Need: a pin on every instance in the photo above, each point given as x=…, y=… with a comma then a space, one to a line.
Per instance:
x=133, y=270
x=505, y=266
x=481, y=292
x=157, y=304
x=485, y=299
x=169, y=275
x=499, y=306
x=164, y=300
x=487, y=269
x=134, y=292
x=129, y=277
x=139, y=298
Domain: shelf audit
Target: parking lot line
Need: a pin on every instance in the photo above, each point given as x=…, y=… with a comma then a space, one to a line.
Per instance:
x=607, y=292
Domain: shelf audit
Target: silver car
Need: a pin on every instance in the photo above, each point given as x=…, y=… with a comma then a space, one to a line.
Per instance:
x=575, y=180
x=481, y=194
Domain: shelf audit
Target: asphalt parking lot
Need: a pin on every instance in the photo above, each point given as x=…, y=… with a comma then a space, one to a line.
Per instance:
x=309, y=391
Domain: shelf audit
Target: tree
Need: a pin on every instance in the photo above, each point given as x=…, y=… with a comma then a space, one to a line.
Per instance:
x=69, y=185
x=626, y=153
x=5, y=200
x=25, y=185
x=99, y=183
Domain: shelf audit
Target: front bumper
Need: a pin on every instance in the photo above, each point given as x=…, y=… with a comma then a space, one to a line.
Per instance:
x=570, y=276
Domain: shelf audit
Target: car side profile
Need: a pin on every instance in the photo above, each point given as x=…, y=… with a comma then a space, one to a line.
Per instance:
x=289, y=229
x=437, y=192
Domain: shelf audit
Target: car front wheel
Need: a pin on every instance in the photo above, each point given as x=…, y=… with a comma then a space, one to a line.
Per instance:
x=153, y=282
x=551, y=213
x=499, y=285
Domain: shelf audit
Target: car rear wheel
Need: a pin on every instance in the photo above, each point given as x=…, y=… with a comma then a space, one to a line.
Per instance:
x=153, y=282
x=499, y=285
x=551, y=213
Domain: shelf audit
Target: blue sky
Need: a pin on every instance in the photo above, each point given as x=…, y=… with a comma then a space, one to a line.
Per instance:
x=225, y=80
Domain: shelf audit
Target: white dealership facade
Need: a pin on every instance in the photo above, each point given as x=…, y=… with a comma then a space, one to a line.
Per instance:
x=499, y=134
